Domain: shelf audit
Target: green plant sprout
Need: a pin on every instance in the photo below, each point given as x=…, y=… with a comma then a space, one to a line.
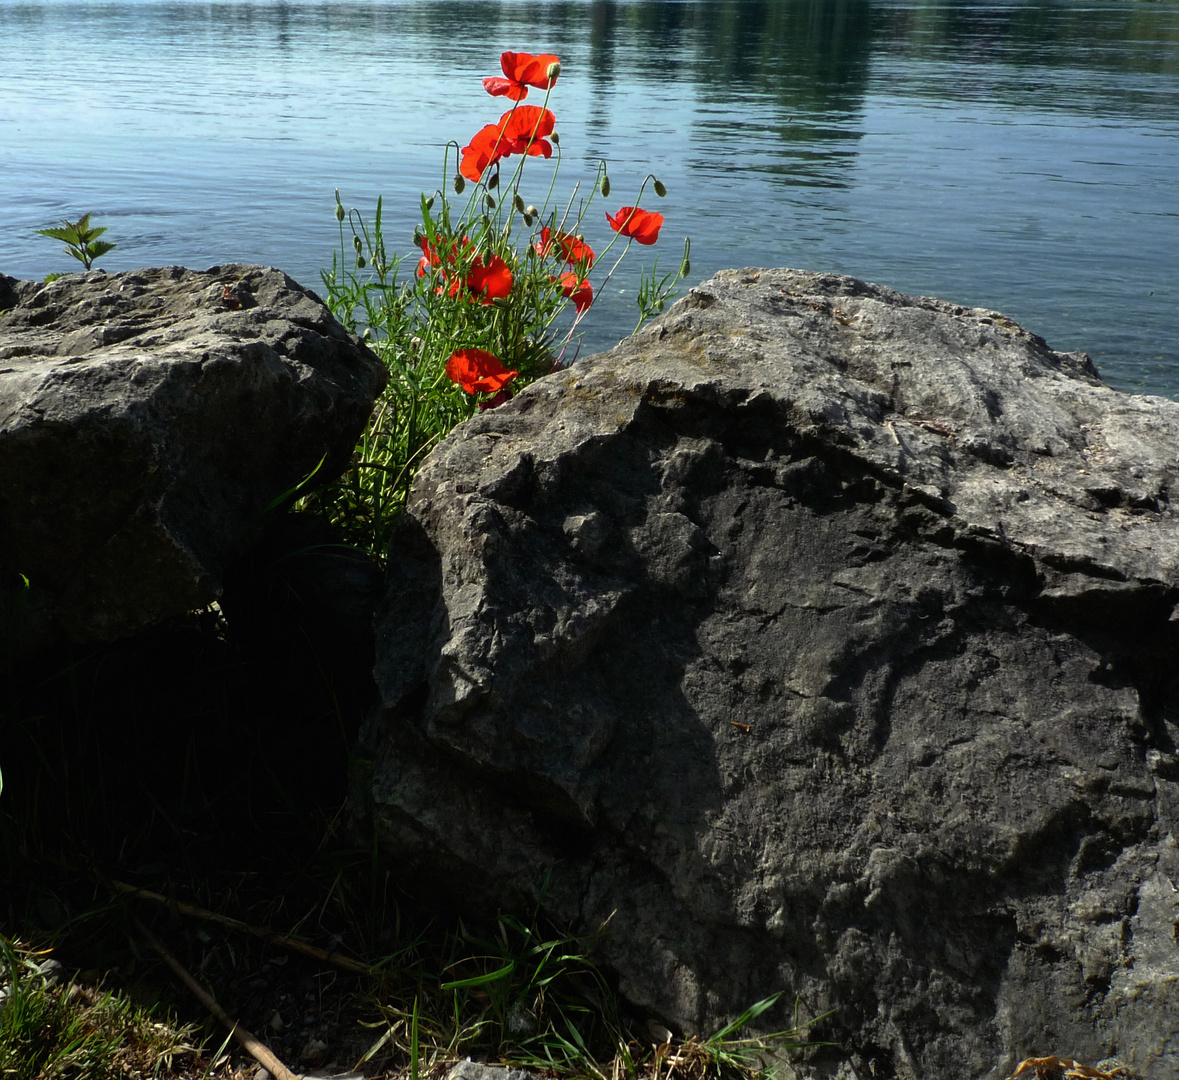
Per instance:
x=81, y=239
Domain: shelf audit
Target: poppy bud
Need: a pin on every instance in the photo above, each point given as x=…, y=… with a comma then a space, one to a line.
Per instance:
x=360, y=263
x=357, y=244
x=417, y=237
x=552, y=71
x=519, y=204
x=528, y=220
x=339, y=212
x=532, y=211
x=490, y=202
x=660, y=190
x=459, y=184
x=430, y=204
x=556, y=139
x=686, y=264
x=604, y=186
x=493, y=181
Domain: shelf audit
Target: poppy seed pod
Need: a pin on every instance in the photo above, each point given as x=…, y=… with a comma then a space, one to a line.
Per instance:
x=660, y=190
x=459, y=184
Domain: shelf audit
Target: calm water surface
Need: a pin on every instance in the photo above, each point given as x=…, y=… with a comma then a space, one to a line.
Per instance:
x=1016, y=155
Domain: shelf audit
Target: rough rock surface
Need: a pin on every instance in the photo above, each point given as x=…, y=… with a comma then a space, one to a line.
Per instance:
x=146, y=420
x=825, y=635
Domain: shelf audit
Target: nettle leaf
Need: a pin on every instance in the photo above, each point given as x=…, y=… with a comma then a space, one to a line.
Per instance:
x=69, y=235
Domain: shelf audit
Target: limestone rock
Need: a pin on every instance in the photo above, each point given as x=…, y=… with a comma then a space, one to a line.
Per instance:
x=826, y=636
x=146, y=421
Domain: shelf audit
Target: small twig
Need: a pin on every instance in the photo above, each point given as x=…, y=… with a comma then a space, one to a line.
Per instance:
x=257, y=1049
x=340, y=961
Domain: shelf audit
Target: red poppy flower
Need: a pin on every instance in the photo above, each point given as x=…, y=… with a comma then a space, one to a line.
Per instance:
x=522, y=130
x=478, y=371
x=521, y=71
x=577, y=289
x=491, y=277
x=574, y=250
x=639, y=224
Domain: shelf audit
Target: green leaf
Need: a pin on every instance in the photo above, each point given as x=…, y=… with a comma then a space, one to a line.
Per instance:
x=413, y=1043
x=747, y=1017
x=67, y=233
x=482, y=980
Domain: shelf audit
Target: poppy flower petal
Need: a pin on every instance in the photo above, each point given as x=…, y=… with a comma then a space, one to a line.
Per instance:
x=491, y=278
x=511, y=62
x=485, y=149
x=641, y=225
x=535, y=70
x=528, y=122
x=478, y=371
x=500, y=87
x=579, y=290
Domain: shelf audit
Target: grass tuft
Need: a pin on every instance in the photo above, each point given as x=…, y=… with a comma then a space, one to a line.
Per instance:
x=49, y=1028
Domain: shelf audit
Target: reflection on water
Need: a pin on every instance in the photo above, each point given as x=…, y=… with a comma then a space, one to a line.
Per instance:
x=1022, y=155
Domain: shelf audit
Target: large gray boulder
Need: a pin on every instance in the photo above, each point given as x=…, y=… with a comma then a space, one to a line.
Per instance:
x=826, y=636
x=146, y=421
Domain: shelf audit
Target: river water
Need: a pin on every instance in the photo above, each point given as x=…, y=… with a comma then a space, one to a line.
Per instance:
x=1020, y=155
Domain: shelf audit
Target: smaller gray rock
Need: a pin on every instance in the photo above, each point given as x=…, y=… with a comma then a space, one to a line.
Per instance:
x=147, y=419
x=476, y=1070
